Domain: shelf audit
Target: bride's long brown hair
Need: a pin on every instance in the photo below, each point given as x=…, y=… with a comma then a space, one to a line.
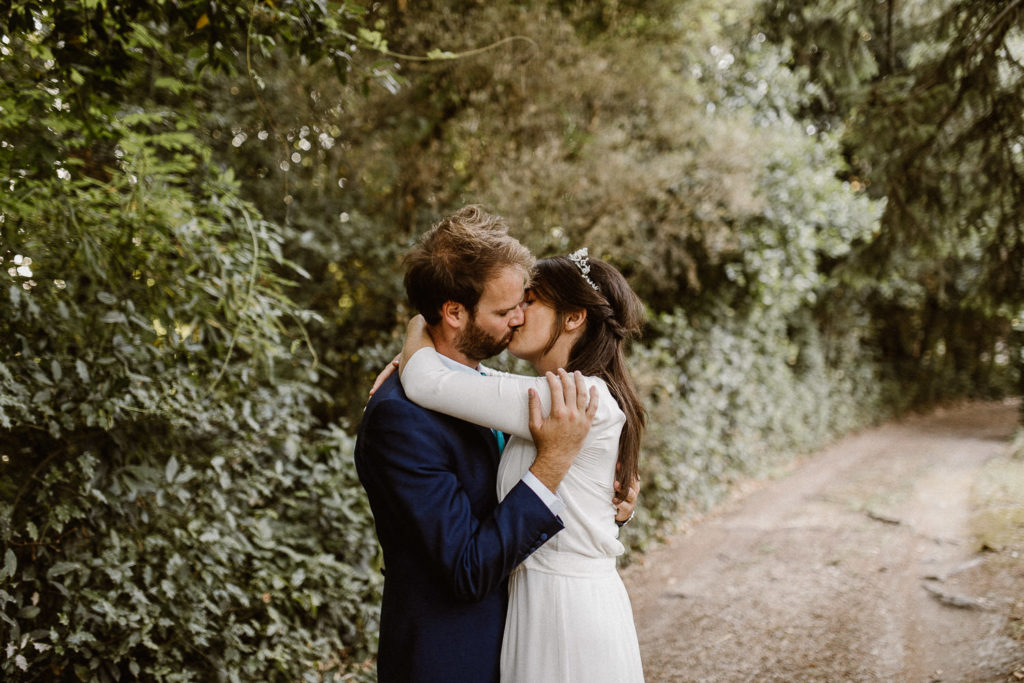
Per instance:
x=614, y=315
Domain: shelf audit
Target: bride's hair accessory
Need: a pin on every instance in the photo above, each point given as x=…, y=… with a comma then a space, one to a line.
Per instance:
x=581, y=258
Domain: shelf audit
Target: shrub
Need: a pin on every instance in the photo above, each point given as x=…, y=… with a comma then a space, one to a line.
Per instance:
x=168, y=507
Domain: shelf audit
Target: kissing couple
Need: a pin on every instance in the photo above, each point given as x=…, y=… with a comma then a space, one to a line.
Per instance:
x=496, y=496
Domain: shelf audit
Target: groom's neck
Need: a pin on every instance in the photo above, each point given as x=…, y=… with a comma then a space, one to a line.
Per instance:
x=444, y=344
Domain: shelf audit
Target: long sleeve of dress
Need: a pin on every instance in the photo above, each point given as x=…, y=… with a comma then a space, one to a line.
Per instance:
x=498, y=401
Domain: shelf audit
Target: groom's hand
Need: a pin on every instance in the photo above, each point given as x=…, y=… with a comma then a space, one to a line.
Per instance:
x=559, y=436
x=625, y=502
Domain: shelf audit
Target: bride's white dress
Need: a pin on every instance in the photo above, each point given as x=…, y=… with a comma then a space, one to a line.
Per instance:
x=569, y=617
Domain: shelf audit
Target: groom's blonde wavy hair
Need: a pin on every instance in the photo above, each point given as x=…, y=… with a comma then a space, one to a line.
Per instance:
x=455, y=259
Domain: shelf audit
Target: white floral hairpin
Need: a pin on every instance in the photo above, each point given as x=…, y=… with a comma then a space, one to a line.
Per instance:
x=581, y=258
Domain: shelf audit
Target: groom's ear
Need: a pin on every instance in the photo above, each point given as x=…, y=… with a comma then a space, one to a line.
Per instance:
x=453, y=313
x=575, y=320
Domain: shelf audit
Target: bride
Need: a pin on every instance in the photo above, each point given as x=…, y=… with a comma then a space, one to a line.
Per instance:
x=569, y=617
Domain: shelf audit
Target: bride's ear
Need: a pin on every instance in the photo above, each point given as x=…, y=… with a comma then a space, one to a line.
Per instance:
x=575, y=320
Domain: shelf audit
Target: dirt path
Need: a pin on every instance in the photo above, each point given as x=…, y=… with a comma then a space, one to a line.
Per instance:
x=859, y=565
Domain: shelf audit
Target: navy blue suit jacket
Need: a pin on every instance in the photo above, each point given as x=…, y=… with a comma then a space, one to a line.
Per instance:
x=448, y=544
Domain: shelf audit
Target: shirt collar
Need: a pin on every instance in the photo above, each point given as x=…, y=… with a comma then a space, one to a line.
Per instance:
x=456, y=365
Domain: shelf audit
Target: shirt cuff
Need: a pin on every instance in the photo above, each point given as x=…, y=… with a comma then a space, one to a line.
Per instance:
x=552, y=500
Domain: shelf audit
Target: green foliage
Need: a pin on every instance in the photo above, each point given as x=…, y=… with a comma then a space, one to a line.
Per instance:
x=82, y=62
x=692, y=175
x=170, y=506
x=164, y=483
x=735, y=395
x=202, y=227
x=930, y=96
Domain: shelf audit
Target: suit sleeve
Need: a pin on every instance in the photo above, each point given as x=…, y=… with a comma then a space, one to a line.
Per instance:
x=411, y=460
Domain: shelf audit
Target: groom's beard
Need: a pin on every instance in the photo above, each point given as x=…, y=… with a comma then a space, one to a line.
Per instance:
x=477, y=345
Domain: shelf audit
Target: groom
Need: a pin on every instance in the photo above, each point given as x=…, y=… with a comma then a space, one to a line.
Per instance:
x=448, y=544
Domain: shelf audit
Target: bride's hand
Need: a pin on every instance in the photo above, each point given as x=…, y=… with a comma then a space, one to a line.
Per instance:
x=417, y=336
x=385, y=373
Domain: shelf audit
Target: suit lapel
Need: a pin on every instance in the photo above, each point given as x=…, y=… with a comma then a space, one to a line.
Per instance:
x=492, y=443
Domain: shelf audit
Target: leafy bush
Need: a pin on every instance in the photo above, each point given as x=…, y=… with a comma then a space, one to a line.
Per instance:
x=733, y=395
x=204, y=274
x=168, y=507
